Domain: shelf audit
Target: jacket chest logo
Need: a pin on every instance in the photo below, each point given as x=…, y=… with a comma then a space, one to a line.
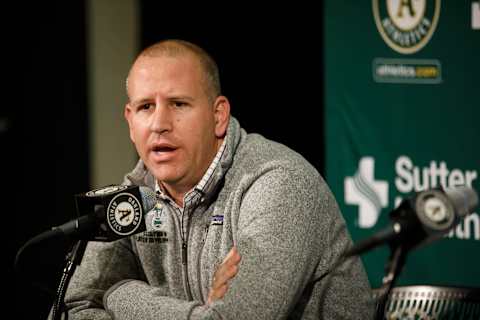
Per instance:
x=217, y=220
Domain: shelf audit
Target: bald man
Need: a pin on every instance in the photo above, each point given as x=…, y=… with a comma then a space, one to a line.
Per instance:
x=244, y=227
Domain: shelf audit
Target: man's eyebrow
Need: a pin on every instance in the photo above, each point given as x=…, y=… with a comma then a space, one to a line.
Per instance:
x=173, y=97
x=181, y=97
x=139, y=102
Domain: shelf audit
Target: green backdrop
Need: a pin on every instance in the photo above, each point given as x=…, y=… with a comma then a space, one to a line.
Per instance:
x=402, y=115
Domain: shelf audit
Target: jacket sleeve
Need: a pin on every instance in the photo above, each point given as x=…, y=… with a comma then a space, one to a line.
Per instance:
x=104, y=264
x=290, y=234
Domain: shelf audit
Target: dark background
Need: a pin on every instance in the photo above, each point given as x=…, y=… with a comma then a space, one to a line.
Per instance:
x=46, y=156
x=271, y=65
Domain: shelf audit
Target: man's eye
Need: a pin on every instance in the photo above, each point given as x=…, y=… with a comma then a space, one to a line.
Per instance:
x=145, y=106
x=179, y=104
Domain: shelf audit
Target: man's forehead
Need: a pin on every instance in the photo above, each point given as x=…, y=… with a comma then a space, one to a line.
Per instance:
x=157, y=67
x=170, y=81
x=185, y=67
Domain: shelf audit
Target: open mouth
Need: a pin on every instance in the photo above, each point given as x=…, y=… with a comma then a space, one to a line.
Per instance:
x=163, y=149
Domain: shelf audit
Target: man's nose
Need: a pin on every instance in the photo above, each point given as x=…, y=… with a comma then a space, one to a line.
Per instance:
x=161, y=118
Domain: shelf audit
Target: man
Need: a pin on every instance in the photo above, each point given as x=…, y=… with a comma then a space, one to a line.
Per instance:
x=244, y=227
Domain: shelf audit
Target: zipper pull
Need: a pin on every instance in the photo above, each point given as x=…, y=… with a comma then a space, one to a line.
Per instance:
x=205, y=233
x=184, y=253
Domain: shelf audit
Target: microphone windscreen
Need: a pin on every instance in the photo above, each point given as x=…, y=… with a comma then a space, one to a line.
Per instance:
x=464, y=200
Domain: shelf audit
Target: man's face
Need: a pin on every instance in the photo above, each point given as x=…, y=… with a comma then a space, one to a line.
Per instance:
x=176, y=129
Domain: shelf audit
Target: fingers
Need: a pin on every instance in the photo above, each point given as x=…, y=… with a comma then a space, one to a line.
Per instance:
x=227, y=269
x=225, y=272
x=216, y=294
x=233, y=257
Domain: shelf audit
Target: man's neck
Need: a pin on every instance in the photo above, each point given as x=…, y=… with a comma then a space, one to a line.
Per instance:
x=177, y=194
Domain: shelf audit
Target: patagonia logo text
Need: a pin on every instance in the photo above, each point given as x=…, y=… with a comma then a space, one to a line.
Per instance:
x=217, y=220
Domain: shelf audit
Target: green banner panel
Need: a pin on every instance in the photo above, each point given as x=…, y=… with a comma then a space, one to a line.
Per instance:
x=402, y=115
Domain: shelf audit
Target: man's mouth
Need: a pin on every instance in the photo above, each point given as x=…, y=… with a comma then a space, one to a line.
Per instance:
x=163, y=152
x=163, y=149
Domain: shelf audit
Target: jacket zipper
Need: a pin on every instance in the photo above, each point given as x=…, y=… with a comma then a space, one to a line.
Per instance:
x=185, y=256
x=199, y=271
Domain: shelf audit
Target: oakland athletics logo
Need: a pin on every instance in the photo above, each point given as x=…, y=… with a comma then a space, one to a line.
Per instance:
x=406, y=25
x=124, y=214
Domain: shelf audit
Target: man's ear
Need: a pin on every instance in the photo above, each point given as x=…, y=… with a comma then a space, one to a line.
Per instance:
x=222, y=116
x=128, y=113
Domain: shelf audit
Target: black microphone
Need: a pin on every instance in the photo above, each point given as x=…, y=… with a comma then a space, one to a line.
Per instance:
x=106, y=214
x=424, y=218
x=109, y=213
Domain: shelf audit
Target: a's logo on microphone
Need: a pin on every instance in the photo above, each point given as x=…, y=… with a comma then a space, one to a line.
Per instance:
x=124, y=214
x=368, y=194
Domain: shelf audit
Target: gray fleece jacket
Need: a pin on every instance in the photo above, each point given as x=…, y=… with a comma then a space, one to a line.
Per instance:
x=268, y=201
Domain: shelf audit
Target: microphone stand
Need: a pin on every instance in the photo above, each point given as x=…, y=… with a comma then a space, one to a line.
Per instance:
x=394, y=266
x=73, y=259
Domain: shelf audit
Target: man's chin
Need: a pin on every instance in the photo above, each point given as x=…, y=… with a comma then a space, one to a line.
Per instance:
x=170, y=178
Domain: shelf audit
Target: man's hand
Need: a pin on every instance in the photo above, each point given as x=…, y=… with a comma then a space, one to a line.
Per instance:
x=226, y=271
